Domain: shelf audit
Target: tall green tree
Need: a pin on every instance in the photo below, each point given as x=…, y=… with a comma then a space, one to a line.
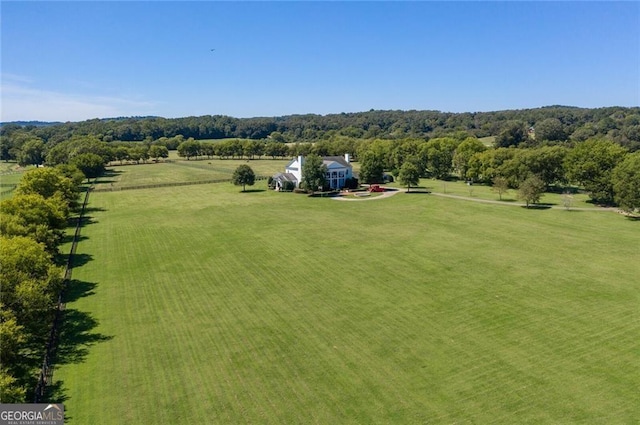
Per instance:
x=463, y=154
x=439, y=154
x=484, y=166
x=91, y=164
x=158, y=151
x=42, y=219
x=189, y=149
x=243, y=176
x=531, y=190
x=591, y=163
x=512, y=134
x=32, y=152
x=30, y=285
x=371, y=167
x=48, y=182
x=409, y=175
x=626, y=182
x=550, y=129
x=314, y=173
x=500, y=186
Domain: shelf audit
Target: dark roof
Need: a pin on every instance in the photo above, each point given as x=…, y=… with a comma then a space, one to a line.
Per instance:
x=285, y=177
x=339, y=159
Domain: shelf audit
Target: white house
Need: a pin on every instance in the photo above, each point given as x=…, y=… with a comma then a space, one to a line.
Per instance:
x=338, y=171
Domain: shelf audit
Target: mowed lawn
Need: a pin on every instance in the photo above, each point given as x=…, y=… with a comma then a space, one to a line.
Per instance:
x=201, y=304
x=182, y=170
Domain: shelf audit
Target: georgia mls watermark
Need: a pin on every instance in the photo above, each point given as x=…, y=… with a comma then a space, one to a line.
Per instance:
x=31, y=414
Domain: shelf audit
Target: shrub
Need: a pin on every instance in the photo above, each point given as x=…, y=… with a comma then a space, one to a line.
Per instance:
x=288, y=186
x=351, y=183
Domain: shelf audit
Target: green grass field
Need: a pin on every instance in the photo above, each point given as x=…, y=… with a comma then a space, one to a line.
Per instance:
x=181, y=170
x=480, y=191
x=201, y=304
x=10, y=175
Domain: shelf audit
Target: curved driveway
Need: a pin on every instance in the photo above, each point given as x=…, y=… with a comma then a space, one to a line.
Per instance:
x=392, y=191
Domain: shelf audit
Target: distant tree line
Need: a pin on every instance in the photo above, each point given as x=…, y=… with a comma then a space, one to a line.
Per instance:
x=32, y=228
x=555, y=123
x=558, y=145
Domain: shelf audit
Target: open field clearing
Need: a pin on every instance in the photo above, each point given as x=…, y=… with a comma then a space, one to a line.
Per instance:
x=181, y=170
x=488, y=141
x=10, y=175
x=201, y=304
x=479, y=191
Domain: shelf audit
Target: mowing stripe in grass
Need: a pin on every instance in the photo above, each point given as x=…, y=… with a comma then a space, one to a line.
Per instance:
x=277, y=308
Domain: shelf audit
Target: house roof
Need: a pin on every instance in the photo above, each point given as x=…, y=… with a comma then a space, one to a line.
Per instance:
x=294, y=160
x=285, y=177
x=330, y=160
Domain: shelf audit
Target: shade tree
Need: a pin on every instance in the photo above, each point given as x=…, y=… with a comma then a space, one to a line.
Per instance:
x=243, y=176
x=44, y=220
x=463, y=153
x=409, y=174
x=625, y=179
x=371, y=167
x=531, y=190
x=90, y=164
x=591, y=164
x=313, y=173
x=48, y=182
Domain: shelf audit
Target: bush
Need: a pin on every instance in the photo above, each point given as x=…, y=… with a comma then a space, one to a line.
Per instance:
x=351, y=183
x=288, y=186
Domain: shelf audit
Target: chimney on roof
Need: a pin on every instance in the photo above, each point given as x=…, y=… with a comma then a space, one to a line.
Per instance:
x=347, y=158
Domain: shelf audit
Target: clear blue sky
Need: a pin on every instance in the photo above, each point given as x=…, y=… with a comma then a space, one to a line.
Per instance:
x=70, y=61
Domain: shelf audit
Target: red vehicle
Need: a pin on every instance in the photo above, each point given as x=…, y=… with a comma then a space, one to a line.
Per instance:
x=376, y=188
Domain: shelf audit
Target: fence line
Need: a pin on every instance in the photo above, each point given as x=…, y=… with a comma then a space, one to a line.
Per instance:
x=46, y=372
x=5, y=191
x=171, y=184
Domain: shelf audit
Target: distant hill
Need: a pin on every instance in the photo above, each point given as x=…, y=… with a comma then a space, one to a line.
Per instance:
x=32, y=123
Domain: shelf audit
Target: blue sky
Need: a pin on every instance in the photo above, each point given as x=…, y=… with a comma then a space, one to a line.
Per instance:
x=71, y=61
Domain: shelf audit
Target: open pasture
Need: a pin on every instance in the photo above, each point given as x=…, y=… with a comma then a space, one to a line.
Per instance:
x=480, y=191
x=181, y=170
x=202, y=304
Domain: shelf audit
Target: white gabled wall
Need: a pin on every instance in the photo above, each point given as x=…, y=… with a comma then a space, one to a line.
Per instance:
x=295, y=168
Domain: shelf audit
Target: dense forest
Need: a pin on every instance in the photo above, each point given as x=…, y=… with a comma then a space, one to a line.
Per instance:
x=553, y=123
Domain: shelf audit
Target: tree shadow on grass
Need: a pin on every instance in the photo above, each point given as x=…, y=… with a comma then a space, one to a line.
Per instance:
x=111, y=173
x=77, y=260
x=77, y=336
x=56, y=393
x=252, y=190
x=68, y=238
x=77, y=289
x=537, y=207
x=93, y=209
x=87, y=220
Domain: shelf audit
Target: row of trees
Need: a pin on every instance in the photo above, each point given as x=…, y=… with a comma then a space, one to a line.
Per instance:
x=621, y=125
x=31, y=231
x=252, y=149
